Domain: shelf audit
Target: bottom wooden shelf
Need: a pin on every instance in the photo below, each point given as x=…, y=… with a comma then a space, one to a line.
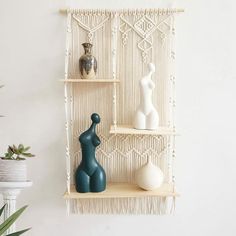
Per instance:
x=124, y=190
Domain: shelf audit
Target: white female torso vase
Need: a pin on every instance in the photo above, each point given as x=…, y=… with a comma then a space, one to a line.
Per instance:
x=146, y=116
x=149, y=176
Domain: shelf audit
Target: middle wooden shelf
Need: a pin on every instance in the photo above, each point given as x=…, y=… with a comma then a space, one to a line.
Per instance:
x=128, y=129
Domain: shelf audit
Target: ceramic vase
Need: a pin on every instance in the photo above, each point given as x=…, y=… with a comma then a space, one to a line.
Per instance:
x=90, y=176
x=13, y=170
x=149, y=176
x=87, y=63
x=146, y=115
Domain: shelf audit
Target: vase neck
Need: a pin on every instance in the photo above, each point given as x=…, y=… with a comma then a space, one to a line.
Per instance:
x=87, y=48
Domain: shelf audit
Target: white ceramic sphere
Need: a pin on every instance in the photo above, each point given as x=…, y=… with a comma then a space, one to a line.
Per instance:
x=149, y=176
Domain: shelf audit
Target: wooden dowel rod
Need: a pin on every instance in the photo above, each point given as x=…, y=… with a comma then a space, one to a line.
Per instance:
x=63, y=10
x=168, y=10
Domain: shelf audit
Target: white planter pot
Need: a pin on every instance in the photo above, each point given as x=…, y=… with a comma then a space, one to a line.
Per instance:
x=149, y=176
x=13, y=171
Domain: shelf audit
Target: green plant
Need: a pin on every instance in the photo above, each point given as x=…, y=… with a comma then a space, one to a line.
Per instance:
x=17, y=153
x=10, y=220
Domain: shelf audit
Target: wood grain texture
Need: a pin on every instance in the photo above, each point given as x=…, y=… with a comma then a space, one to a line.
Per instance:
x=128, y=129
x=124, y=190
x=90, y=80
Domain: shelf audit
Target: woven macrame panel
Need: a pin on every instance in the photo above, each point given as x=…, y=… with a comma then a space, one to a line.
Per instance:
x=142, y=37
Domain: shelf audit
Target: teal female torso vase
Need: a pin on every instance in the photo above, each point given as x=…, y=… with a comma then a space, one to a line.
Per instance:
x=90, y=176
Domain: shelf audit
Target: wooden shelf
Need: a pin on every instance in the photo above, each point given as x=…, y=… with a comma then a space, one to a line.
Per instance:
x=123, y=190
x=127, y=129
x=90, y=80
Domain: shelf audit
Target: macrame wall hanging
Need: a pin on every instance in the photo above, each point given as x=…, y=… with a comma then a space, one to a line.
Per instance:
x=124, y=42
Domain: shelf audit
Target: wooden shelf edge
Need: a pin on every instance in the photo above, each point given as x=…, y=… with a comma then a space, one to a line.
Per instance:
x=90, y=80
x=127, y=129
x=124, y=190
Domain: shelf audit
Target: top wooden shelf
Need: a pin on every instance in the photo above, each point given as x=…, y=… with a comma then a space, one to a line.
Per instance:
x=90, y=80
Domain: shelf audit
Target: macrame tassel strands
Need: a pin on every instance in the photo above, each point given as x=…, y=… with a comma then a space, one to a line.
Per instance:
x=144, y=206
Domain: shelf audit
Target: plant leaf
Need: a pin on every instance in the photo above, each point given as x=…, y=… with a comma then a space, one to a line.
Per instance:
x=27, y=154
x=10, y=149
x=10, y=220
x=2, y=209
x=26, y=149
x=15, y=149
x=9, y=154
x=21, y=148
x=18, y=232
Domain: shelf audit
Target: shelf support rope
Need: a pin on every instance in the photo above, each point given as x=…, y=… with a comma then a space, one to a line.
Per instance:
x=67, y=106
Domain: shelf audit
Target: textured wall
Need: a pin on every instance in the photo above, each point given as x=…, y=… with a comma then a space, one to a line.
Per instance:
x=32, y=42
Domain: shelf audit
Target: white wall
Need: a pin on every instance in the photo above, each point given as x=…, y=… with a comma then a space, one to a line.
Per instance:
x=32, y=42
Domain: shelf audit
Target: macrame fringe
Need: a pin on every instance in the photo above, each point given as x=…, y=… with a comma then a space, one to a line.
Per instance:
x=144, y=205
